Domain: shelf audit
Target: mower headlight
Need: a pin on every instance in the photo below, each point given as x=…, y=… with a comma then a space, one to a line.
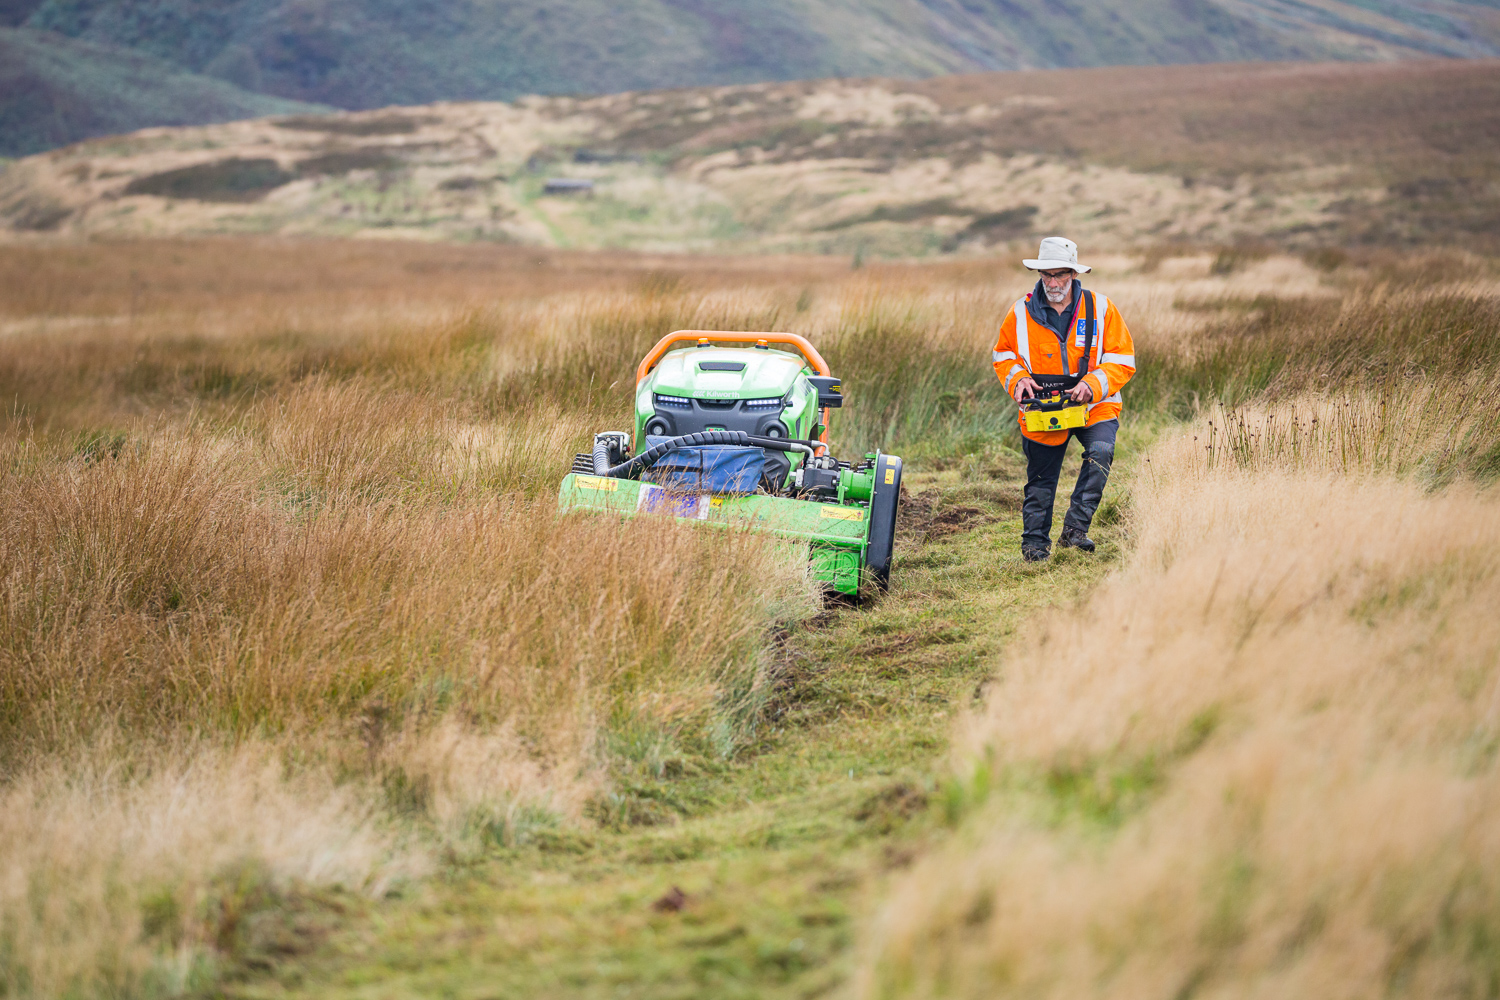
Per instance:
x=775, y=403
x=673, y=402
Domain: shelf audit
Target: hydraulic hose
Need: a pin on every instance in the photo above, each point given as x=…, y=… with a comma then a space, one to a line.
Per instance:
x=649, y=457
x=601, y=458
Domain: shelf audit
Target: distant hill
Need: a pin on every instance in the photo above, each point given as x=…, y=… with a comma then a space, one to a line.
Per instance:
x=56, y=90
x=1295, y=154
x=372, y=53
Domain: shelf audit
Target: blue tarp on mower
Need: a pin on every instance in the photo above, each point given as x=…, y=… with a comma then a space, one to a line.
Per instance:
x=722, y=469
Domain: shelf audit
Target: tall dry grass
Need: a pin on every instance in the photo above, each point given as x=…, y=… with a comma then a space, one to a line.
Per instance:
x=1259, y=761
x=285, y=604
x=458, y=669
x=131, y=874
x=156, y=591
x=1432, y=431
x=1265, y=345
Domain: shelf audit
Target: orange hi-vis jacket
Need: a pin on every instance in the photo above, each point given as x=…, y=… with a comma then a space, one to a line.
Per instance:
x=1026, y=348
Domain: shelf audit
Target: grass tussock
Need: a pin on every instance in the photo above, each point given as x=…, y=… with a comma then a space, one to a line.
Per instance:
x=1261, y=758
x=144, y=879
x=156, y=591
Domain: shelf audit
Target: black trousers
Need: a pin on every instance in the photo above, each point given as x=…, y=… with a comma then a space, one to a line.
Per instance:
x=1044, y=464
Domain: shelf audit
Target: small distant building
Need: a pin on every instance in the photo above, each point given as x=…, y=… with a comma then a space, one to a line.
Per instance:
x=604, y=156
x=568, y=185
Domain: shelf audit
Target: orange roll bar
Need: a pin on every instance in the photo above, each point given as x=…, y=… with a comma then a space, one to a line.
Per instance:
x=807, y=350
x=804, y=348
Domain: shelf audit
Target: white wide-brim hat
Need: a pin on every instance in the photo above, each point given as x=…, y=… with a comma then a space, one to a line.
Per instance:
x=1057, y=253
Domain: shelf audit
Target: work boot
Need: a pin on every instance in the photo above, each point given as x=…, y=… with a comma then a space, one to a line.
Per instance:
x=1035, y=555
x=1072, y=538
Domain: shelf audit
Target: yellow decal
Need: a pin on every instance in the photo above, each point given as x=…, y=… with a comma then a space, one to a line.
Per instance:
x=716, y=502
x=890, y=475
x=598, y=483
x=844, y=513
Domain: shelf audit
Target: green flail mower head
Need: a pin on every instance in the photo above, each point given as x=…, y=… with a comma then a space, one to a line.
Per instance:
x=732, y=429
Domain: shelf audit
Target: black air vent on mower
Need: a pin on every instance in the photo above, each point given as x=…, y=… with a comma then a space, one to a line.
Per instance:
x=721, y=366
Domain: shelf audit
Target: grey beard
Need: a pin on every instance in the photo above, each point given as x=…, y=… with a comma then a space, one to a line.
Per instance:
x=1057, y=296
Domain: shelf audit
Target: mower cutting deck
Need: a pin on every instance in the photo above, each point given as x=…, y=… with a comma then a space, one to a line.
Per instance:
x=738, y=436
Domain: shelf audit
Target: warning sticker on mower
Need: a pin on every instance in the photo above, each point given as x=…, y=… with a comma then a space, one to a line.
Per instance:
x=844, y=513
x=597, y=483
x=655, y=500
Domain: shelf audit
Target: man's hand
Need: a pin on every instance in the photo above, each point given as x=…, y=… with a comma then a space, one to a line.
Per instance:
x=1026, y=388
x=1081, y=393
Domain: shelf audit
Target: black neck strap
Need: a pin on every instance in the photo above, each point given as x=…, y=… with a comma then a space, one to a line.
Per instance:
x=1088, y=336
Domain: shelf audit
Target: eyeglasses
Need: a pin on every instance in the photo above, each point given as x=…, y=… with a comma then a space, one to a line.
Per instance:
x=1056, y=275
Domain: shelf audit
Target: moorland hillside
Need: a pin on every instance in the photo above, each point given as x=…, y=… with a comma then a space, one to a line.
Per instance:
x=55, y=90
x=1298, y=155
x=362, y=54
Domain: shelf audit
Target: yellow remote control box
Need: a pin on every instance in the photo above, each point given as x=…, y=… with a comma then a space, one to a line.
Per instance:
x=1053, y=413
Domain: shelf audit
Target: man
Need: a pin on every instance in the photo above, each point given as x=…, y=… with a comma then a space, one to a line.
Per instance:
x=1046, y=336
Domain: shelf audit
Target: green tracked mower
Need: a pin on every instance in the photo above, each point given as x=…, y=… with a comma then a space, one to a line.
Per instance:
x=732, y=429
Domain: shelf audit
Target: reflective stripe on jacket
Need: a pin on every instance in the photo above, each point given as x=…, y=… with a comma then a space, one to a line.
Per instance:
x=1023, y=348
